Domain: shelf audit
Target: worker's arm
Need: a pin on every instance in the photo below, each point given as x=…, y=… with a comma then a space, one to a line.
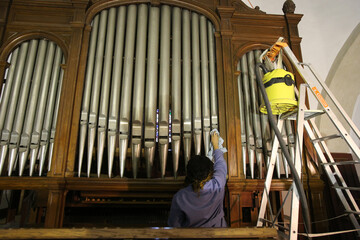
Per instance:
x=220, y=168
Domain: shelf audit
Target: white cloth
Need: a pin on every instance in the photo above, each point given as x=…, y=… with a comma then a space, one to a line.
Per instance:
x=221, y=141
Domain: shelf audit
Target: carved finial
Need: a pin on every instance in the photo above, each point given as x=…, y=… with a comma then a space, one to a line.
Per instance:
x=289, y=7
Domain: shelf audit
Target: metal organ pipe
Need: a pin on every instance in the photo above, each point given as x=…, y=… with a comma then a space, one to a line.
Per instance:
x=205, y=88
x=186, y=85
x=176, y=89
x=4, y=101
x=196, y=85
x=40, y=114
x=46, y=128
x=55, y=117
x=24, y=112
x=164, y=88
x=212, y=76
x=139, y=84
x=152, y=84
x=242, y=118
x=125, y=102
x=22, y=102
x=105, y=88
x=116, y=86
x=84, y=117
x=95, y=91
x=182, y=69
x=255, y=112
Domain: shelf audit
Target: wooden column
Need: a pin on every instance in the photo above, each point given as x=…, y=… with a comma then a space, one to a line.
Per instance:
x=57, y=195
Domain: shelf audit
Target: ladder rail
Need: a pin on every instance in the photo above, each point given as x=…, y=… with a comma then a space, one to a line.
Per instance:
x=335, y=101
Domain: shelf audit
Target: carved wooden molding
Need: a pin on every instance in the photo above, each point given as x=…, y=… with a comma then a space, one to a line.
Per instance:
x=243, y=8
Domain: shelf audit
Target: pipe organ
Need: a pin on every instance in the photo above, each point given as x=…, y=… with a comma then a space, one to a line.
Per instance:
x=109, y=99
x=29, y=106
x=150, y=82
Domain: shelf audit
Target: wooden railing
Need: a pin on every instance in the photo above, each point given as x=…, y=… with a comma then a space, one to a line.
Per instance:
x=139, y=233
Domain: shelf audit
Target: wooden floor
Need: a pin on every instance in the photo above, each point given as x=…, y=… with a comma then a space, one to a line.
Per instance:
x=139, y=233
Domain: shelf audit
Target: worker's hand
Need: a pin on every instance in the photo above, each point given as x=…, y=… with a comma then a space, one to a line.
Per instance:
x=215, y=140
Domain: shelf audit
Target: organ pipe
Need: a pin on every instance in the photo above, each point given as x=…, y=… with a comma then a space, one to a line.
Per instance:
x=5, y=99
x=127, y=86
x=196, y=85
x=54, y=84
x=176, y=88
x=138, y=90
x=242, y=118
x=205, y=88
x=186, y=85
x=164, y=87
x=152, y=85
x=21, y=109
x=84, y=117
x=95, y=91
x=116, y=86
x=105, y=88
x=212, y=77
x=41, y=105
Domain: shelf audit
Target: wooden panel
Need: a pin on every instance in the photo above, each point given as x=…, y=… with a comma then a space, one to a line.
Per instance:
x=139, y=233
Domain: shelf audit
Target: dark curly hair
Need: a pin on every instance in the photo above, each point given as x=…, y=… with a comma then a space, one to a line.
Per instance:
x=199, y=170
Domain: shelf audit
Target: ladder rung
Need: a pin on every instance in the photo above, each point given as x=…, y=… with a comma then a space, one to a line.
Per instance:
x=326, y=138
x=307, y=114
x=354, y=212
x=349, y=188
x=341, y=163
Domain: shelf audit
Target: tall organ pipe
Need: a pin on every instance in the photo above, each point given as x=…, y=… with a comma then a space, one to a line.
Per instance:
x=151, y=85
x=95, y=93
x=31, y=106
x=205, y=88
x=116, y=86
x=242, y=117
x=105, y=88
x=5, y=98
x=84, y=118
x=21, y=107
x=164, y=87
x=176, y=88
x=265, y=127
x=127, y=86
x=186, y=84
x=212, y=76
x=196, y=86
x=55, y=117
x=248, y=125
x=255, y=112
x=6, y=131
x=41, y=105
x=139, y=84
x=45, y=133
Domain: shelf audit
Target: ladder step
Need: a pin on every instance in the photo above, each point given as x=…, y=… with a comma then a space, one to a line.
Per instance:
x=308, y=114
x=349, y=188
x=326, y=138
x=341, y=163
x=352, y=212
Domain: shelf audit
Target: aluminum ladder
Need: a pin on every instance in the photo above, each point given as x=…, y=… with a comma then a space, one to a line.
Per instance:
x=305, y=119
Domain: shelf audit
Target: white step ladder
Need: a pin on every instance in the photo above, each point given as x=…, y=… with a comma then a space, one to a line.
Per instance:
x=305, y=119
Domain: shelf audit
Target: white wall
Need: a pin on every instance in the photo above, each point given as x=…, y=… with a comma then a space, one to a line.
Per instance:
x=324, y=28
x=330, y=31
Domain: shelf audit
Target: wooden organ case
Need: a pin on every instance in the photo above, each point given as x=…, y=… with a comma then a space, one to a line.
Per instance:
x=74, y=167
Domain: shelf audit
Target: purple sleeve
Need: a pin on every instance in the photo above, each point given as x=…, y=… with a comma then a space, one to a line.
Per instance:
x=176, y=215
x=220, y=168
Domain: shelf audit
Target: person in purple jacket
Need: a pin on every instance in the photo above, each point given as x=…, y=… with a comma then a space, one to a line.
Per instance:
x=200, y=203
